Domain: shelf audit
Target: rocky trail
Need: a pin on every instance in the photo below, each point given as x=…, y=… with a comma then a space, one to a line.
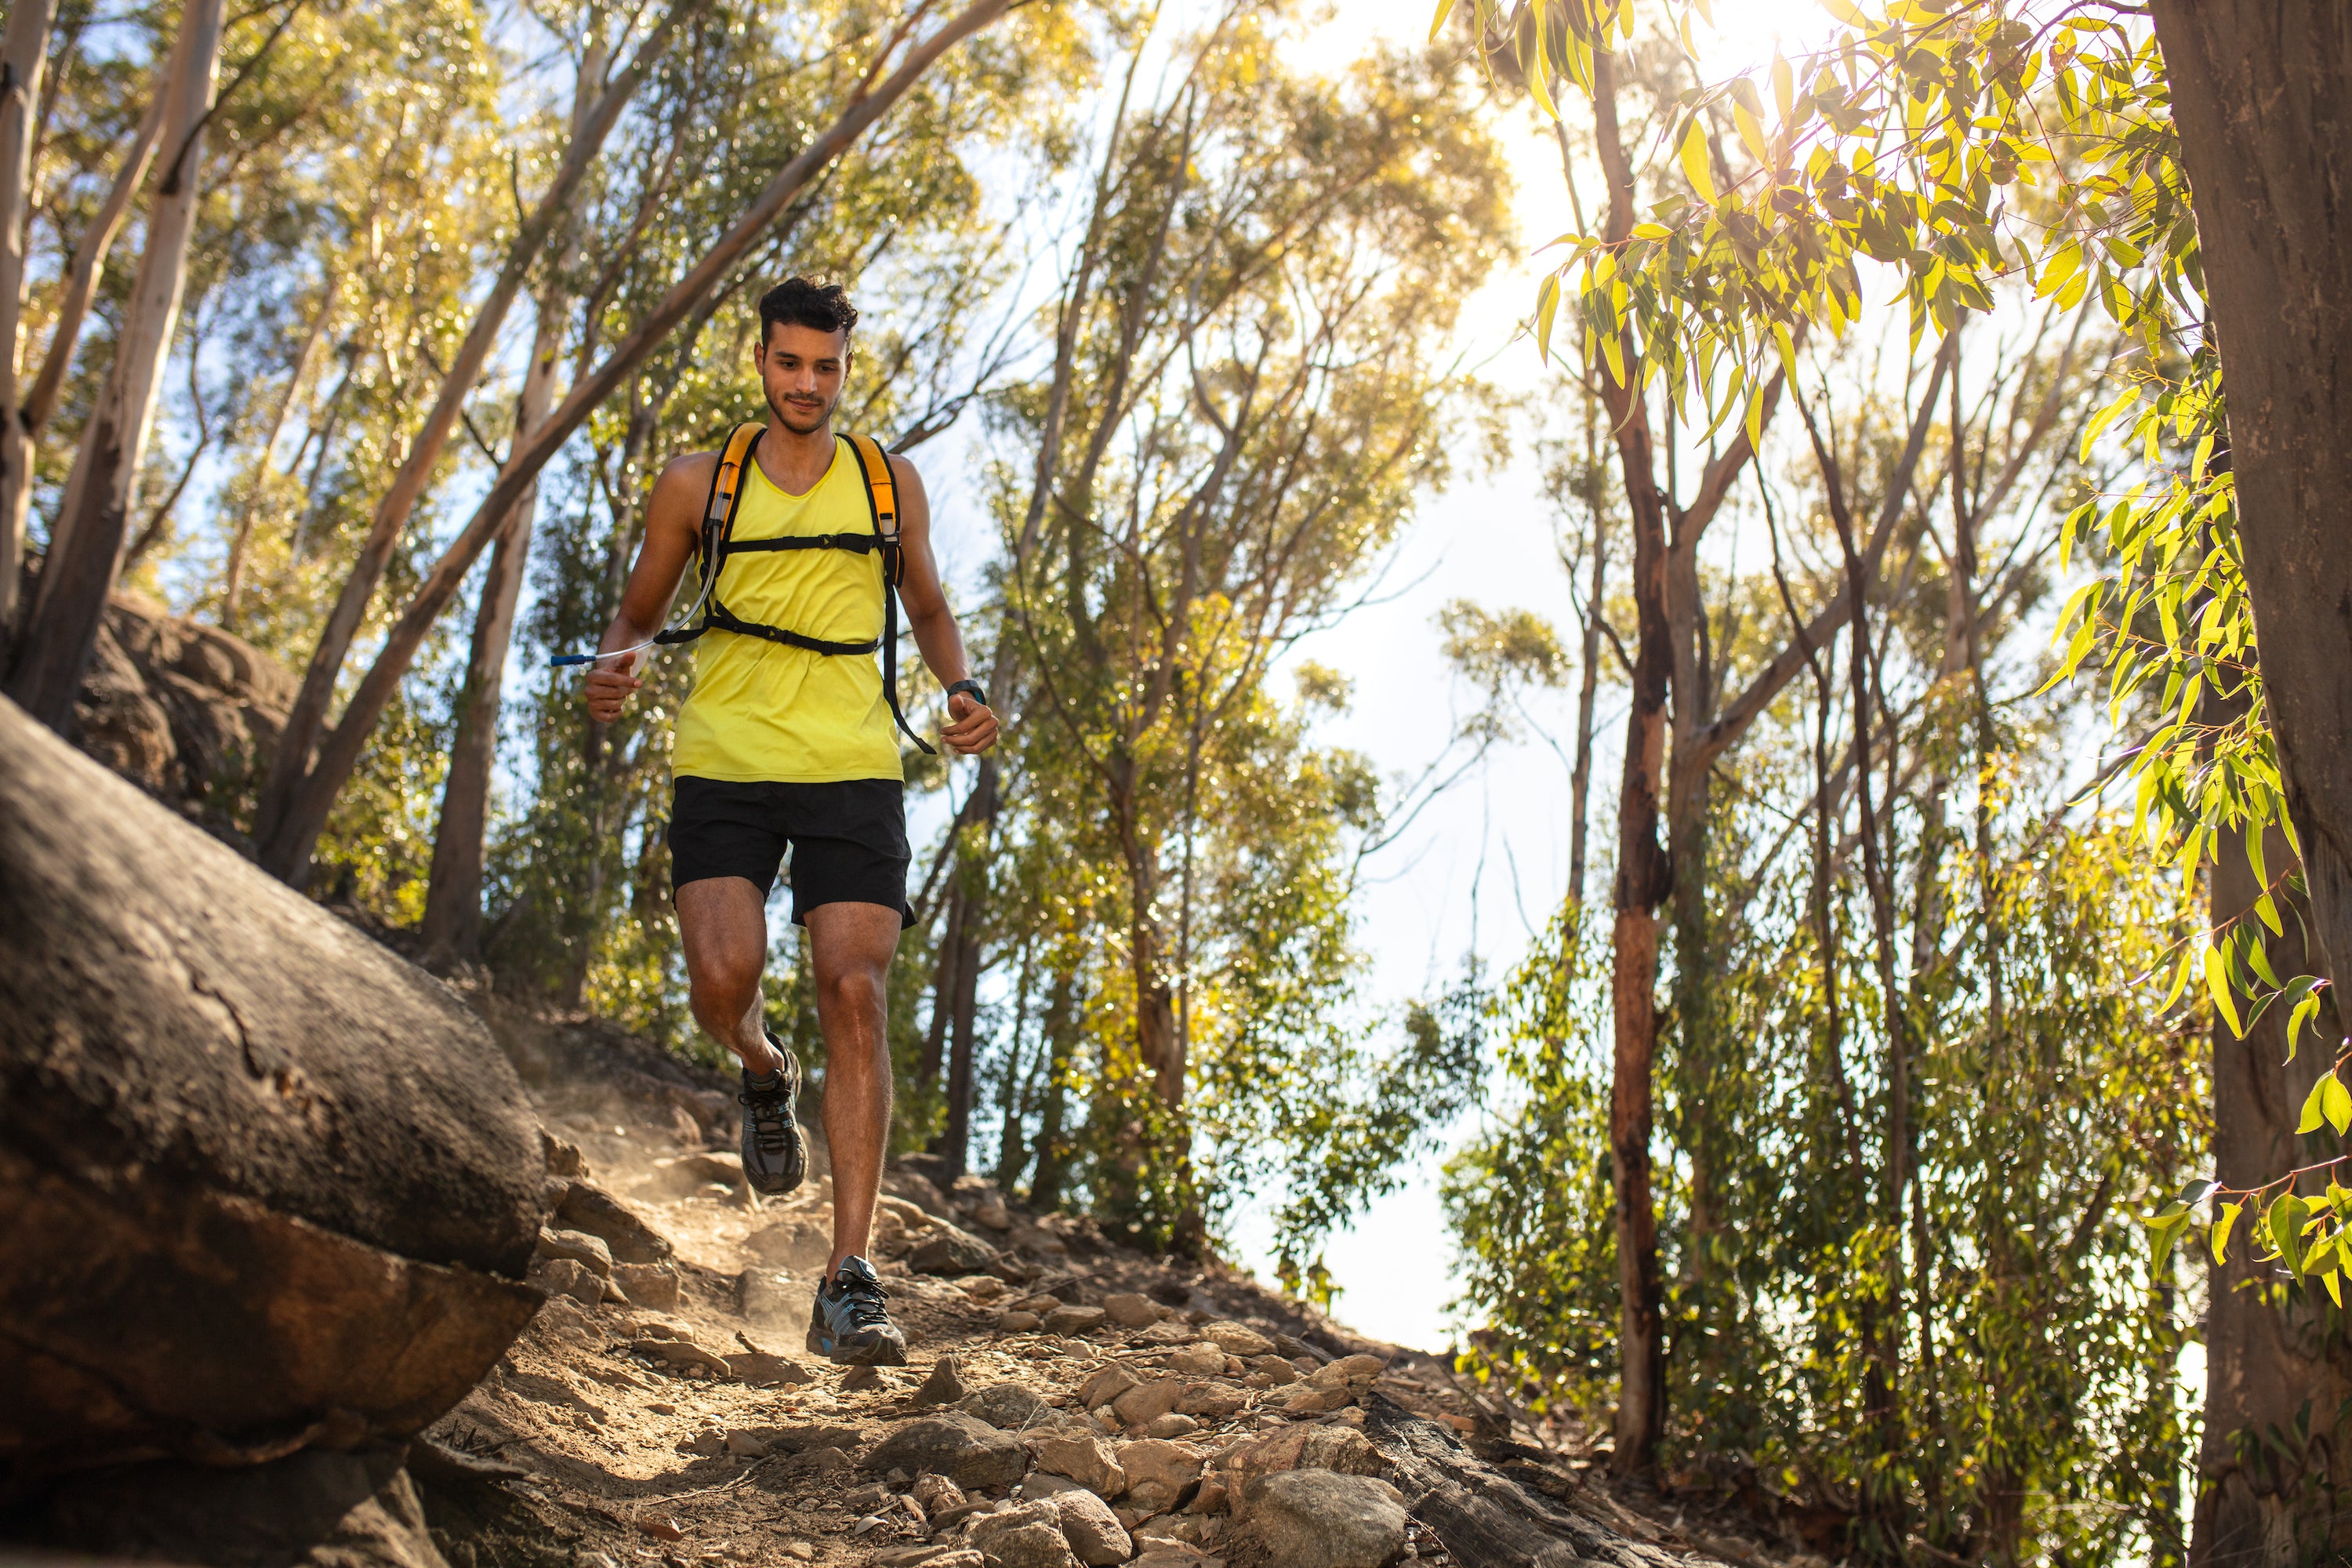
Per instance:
x=316, y=1260
x=1068, y=1400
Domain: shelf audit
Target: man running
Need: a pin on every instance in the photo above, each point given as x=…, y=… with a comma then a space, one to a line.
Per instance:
x=783, y=744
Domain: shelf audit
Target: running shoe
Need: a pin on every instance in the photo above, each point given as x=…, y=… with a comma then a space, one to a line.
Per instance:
x=775, y=1155
x=849, y=1325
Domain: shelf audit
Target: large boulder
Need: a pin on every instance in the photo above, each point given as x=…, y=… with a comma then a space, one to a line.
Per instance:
x=262, y=1184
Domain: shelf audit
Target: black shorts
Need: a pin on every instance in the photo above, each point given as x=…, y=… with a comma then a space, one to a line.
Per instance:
x=848, y=839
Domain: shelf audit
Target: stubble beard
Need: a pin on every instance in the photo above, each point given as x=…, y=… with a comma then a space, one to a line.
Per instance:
x=792, y=422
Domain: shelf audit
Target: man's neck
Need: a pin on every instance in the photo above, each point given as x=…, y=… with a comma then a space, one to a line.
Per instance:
x=795, y=463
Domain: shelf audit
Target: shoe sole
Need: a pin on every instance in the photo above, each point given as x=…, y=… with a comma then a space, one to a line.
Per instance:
x=882, y=1353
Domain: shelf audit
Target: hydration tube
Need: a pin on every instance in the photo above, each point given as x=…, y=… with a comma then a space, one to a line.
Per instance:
x=565, y=660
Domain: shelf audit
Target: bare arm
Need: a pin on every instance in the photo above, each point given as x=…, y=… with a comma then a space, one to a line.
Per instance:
x=972, y=728
x=673, y=526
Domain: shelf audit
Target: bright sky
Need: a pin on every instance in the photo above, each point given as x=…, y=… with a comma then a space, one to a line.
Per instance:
x=1484, y=869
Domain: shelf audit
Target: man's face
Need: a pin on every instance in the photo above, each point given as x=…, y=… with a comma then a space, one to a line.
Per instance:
x=802, y=371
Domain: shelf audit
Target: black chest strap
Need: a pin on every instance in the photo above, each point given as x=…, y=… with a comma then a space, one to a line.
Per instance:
x=716, y=545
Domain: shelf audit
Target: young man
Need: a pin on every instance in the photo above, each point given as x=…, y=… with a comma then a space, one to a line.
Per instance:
x=780, y=745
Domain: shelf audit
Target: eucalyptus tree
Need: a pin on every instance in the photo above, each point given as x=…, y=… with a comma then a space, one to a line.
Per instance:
x=916, y=221
x=1248, y=393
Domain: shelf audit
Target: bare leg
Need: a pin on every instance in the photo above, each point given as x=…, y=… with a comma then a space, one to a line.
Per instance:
x=723, y=922
x=849, y=948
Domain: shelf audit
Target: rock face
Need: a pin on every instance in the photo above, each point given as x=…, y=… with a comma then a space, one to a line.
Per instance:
x=185, y=711
x=964, y=1449
x=1320, y=1519
x=261, y=1183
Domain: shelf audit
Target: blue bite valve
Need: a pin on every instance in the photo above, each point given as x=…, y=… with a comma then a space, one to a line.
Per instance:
x=563, y=659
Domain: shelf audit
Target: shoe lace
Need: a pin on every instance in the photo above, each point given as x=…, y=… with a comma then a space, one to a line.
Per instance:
x=771, y=1122
x=859, y=1299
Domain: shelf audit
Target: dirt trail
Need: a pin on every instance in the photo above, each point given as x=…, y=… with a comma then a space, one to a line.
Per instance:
x=1095, y=1404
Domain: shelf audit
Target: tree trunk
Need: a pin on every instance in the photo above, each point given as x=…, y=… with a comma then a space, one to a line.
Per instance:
x=2278, y=1362
x=955, y=1143
x=1060, y=1039
x=291, y=831
x=262, y=1184
x=2258, y=92
x=79, y=574
x=583, y=146
x=232, y=574
x=453, y=900
x=73, y=311
x=1580, y=785
x=23, y=54
x=453, y=897
x=935, y=1033
x=1644, y=880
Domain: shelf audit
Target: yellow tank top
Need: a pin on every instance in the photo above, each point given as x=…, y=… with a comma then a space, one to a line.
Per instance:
x=761, y=710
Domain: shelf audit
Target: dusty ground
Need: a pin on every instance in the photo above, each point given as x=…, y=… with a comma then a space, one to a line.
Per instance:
x=601, y=1439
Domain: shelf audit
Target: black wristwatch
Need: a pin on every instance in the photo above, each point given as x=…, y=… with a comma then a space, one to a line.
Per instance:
x=971, y=686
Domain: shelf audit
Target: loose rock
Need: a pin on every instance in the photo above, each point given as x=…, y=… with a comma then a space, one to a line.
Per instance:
x=1106, y=1385
x=1214, y=1400
x=1074, y=1319
x=1197, y=1361
x=1010, y=1407
x=1319, y=1519
x=1137, y=1405
x=1086, y=1460
x=679, y=1355
x=946, y=1250
x=944, y=1386
x=1236, y=1339
x=565, y=1276
x=1018, y=1322
x=1091, y=1529
x=1028, y=1537
x=1323, y=1447
x=579, y=1247
x=964, y=1449
x=1131, y=1310
x=588, y=1208
x=1173, y=1425
x=761, y=1370
x=648, y=1285
x=1157, y=1472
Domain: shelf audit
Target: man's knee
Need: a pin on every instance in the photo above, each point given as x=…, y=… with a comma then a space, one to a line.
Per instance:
x=723, y=987
x=855, y=988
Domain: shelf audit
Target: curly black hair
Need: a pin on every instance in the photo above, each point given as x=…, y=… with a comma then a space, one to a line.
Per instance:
x=805, y=302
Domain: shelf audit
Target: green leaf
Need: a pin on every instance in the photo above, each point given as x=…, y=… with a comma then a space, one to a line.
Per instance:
x=2285, y=1221
x=2217, y=985
x=2314, y=1106
x=2337, y=1104
x=1695, y=164
x=2306, y=1008
x=2221, y=1229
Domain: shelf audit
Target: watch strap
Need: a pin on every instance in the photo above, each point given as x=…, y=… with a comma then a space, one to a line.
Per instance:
x=971, y=686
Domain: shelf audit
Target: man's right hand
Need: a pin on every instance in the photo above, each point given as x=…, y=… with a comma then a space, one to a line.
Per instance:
x=609, y=687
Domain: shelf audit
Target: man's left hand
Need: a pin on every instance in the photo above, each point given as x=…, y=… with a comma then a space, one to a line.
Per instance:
x=972, y=728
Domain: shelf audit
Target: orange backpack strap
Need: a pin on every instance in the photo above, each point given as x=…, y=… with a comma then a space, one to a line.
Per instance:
x=882, y=495
x=718, y=517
